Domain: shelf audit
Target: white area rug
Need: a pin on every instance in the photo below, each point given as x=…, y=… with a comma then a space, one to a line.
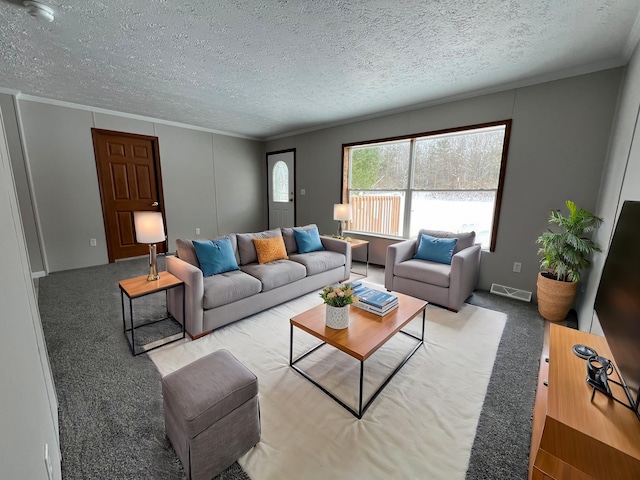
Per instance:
x=421, y=426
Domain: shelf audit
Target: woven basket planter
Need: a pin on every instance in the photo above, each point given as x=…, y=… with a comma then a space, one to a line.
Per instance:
x=555, y=298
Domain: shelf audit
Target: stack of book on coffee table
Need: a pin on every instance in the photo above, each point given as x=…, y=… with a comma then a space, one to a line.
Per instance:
x=374, y=301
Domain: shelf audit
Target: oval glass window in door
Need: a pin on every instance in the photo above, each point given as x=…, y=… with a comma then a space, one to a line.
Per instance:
x=280, y=182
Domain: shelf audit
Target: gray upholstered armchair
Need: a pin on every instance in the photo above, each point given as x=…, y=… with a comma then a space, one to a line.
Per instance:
x=443, y=284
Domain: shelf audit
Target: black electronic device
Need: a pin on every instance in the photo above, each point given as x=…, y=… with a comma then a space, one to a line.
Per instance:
x=617, y=302
x=598, y=371
x=583, y=351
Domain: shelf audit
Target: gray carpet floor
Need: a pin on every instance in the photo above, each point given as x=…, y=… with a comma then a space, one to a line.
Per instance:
x=110, y=403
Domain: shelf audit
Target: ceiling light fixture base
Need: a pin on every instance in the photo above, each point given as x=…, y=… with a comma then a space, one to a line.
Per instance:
x=39, y=10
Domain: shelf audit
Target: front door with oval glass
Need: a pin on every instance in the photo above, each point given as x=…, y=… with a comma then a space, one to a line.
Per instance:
x=281, y=188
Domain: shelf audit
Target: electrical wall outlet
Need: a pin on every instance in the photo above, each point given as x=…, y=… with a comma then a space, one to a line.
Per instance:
x=303, y=191
x=197, y=231
x=93, y=242
x=517, y=267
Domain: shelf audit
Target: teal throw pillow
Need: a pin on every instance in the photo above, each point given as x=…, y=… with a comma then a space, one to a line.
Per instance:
x=215, y=256
x=435, y=249
x=307, y=240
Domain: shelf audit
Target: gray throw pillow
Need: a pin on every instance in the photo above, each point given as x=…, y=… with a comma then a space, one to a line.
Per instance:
x=186, y=251
x=290, y=239
x=246, y=248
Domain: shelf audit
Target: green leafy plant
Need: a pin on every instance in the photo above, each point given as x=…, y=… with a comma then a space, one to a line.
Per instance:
x=565, y=253
x=338, y=296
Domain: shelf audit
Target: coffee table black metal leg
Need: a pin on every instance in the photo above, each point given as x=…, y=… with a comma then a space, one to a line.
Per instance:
x=360, y=412
x=290, y=344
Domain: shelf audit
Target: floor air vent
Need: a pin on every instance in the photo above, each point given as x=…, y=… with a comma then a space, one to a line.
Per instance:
x=511, y=292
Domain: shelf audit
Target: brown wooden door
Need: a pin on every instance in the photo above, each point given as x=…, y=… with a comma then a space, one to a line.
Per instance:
x=130, y=181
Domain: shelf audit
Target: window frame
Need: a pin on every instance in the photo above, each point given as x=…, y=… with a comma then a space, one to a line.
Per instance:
x=346, y=147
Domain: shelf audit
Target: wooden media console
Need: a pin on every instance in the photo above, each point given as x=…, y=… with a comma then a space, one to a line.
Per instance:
x=575, y=436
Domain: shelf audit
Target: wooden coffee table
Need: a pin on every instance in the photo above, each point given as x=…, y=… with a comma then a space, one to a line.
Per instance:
x=366, y=333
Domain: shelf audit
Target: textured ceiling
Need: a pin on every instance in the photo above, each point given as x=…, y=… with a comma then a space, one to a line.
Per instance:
x=263, y=68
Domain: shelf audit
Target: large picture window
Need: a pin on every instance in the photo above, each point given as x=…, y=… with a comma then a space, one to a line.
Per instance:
x=447, y=180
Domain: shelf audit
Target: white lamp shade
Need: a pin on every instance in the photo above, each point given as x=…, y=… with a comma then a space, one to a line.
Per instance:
x=342, y=212
x=149, y=227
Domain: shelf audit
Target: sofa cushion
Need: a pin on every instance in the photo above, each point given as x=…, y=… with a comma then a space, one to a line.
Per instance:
x=318, y=262
x=423, y=271
x=290, y=239
x=229, y=287
x=435, y=249
x=187, y=252
x=247, y=249
x=215, y=256
x=270, y=249
x=308, y=240
x=275, y=274
x=465, y=239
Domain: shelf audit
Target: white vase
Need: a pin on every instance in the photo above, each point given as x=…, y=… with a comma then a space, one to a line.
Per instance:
x=337, y=317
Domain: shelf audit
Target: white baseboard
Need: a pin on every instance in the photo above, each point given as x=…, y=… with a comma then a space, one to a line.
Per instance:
x=38, y=274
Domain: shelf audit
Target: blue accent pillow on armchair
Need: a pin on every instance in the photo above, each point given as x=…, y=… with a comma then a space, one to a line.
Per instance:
x=215, y=256
x=435, y=249
x=308, y=240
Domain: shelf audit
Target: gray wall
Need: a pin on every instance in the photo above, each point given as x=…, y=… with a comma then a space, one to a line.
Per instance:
x=620, y=182
x=20, y=175
x=558, y=147
x=28, y=405
x=210, y=181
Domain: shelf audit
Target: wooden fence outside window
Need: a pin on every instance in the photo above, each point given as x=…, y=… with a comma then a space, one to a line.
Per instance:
x=375, y=214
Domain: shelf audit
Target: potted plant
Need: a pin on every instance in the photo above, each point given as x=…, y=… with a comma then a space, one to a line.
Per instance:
x=337, y=300
x=565, y=254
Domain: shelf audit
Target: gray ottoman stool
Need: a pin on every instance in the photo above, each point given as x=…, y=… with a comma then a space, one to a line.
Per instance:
x=211, y=413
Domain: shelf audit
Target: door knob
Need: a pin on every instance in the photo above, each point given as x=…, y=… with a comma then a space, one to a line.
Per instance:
x=155, y=204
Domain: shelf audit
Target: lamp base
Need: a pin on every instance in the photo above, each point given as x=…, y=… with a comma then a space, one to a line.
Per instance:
x=339, y=228
x=153, y=267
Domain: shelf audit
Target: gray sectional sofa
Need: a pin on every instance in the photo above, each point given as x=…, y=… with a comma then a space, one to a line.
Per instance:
x=214, y=301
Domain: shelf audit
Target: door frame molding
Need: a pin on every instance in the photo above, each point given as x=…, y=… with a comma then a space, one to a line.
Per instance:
x=95, y=133
x=295, y=189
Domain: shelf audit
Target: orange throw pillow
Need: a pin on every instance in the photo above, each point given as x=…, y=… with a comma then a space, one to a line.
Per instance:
x=270, y=249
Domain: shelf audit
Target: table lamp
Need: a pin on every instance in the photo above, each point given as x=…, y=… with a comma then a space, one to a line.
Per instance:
x=341, y=213
x=150, y=230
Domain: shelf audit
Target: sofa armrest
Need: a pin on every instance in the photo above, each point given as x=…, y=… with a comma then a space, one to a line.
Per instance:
x=397, y=253
x=340, y=246
x=465, y=266
x=193, y=295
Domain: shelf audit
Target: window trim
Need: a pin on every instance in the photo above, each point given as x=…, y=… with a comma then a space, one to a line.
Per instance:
x=413, y=137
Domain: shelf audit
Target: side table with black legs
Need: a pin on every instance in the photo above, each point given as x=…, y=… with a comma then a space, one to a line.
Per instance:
x=357, y=243
x=138, y=287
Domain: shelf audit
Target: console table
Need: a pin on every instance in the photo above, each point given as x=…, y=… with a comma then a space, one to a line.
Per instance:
x=575, y=437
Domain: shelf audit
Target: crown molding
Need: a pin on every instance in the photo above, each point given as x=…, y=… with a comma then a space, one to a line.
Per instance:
x=77, y=106
x=9, y=91
x=633, y=40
